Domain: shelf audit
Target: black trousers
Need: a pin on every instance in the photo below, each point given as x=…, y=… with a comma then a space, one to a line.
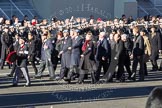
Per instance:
x=127, y=64
x=139, y=60
x=160, y=68
x=13, y=68
x=154, y=64
x=145, y=69
x=101, y=64
x=120, y=72
x=34, y=67
x=32, y=60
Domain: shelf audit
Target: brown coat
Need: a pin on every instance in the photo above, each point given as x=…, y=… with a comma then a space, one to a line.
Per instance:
x=147, y=48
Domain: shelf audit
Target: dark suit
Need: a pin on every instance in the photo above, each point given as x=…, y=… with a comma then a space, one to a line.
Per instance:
x=22, y=65
x=46, y=59
x=138, y=52
x=66, y=57
x=102, y=51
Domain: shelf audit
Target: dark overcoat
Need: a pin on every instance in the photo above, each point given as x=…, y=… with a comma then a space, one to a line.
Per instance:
x=88, y=61
x=66, y=55
x=76, y=51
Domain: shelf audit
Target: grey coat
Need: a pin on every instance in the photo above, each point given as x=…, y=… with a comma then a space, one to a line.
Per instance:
x=66, y=55
x=76, y=51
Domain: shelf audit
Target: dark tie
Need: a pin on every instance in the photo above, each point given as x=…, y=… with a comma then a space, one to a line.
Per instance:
x=99, y=43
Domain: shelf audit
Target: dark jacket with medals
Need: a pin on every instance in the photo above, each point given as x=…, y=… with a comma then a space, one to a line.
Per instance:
x=102, y=49
x=88, y=61
x=76, y=51
x=22, y=57
x=66, y=55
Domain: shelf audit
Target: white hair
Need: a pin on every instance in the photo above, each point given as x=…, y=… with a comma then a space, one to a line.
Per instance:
x=102, y=33
x=124, y=36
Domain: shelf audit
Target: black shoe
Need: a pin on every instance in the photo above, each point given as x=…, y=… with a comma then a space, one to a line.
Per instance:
x=10, y=75
x=141, y=79
x=146, y=74
x=14, y=85
x=110, y=80
x=129, y=77
x=133, y=77
x=122, y=80
x=68, y=81
x=154, y=69
x=22, y=77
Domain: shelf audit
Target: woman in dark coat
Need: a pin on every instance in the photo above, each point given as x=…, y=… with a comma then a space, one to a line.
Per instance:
x=58, y=47
x=87, y=62
x=155, y=42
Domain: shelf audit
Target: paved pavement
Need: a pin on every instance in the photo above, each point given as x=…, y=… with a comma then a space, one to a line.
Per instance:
x=58, y=94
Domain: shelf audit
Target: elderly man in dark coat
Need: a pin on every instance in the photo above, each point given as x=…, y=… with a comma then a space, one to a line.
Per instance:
x=65, y=55
x=102, y=54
